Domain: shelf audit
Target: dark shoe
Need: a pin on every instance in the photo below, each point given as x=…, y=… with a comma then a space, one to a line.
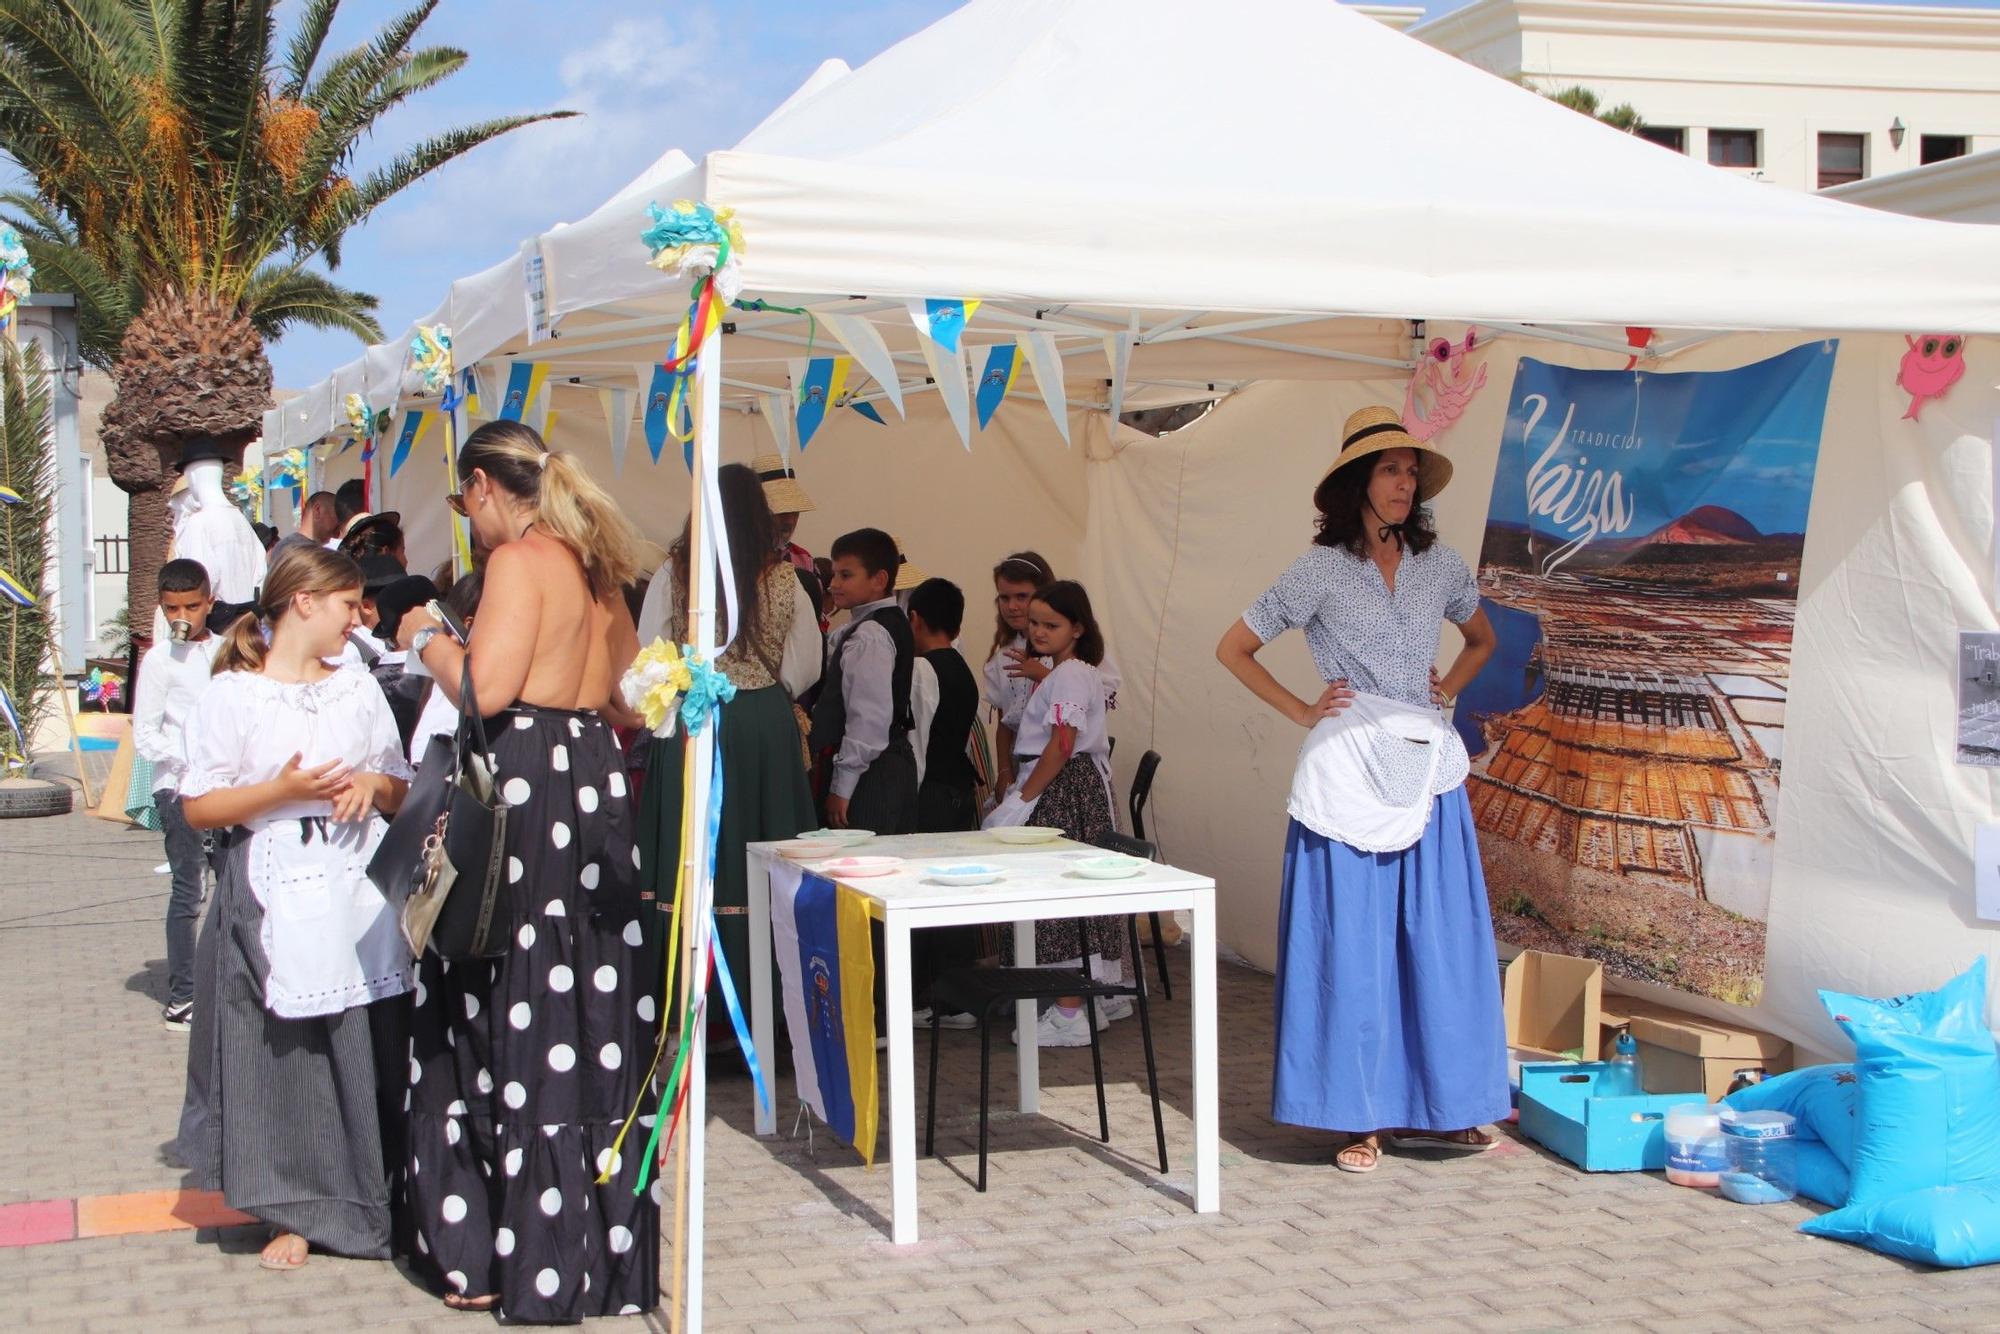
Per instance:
x=178, y=1017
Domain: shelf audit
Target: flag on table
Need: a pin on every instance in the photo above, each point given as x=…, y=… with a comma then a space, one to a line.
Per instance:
x=820, y=934
x=942, y=321
x=1003, y=363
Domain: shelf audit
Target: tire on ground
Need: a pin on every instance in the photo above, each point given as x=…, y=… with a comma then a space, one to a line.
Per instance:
x=24, y=797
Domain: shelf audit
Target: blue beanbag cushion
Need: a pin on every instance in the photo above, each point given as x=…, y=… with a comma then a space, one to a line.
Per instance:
x=1929, y=1081
x=1821, y=1175
x=1953, y=1226
x=1824, y=1099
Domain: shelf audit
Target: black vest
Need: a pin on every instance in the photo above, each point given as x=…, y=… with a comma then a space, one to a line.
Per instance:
x=829, y=715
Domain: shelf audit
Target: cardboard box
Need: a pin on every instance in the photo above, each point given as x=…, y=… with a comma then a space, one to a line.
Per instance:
x=1559, y=1111
x=1553, y=1003
x=1684, y=1051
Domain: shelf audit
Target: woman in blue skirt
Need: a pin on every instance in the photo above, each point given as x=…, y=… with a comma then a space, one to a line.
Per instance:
x=1388, y=992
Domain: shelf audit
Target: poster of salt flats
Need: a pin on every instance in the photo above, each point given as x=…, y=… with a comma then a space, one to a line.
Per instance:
x=1979, y=698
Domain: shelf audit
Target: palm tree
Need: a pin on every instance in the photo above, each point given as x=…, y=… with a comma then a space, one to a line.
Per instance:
x=1624, y=116
x=188, y=178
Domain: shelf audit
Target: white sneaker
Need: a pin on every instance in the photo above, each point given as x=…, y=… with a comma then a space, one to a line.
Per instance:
x=952, y=1019
x=1113, y=1008
x=1056, y=1029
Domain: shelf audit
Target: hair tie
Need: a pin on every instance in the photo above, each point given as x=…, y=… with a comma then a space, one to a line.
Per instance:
x=542, y=459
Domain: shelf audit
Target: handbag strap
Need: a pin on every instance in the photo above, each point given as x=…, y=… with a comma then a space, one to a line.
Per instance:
x=471, y=719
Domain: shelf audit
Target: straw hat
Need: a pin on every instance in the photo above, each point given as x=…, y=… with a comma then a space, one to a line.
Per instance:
x=781, y=486
x=908, y=574
x=1371, y=430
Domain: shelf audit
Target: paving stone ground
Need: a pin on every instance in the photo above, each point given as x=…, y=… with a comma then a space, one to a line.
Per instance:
x=1071, y=1235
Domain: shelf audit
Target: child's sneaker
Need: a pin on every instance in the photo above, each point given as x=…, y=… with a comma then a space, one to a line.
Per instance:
x=178, y=1017
x=1114, y=1008
x=1056, y=1029
x=952, y=1019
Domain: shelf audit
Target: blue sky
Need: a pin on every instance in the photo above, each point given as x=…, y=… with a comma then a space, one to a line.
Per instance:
x=648, y=76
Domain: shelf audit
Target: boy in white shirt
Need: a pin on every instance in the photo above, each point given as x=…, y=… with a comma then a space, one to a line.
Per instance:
x=173, y=676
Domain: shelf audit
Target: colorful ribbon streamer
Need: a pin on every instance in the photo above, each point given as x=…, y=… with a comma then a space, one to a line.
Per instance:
x=12, y=717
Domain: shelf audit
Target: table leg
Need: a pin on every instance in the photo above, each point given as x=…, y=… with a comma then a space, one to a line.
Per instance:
x=1028, y=1054
x=763, y=1024
x=902, y=1081
x=1201, y=952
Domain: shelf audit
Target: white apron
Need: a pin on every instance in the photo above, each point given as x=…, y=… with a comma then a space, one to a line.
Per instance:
x=1364, y=775
x=332, y=939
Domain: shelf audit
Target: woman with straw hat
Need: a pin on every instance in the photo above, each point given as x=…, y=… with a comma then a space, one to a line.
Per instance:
x=1388, y=995
x=788, y=500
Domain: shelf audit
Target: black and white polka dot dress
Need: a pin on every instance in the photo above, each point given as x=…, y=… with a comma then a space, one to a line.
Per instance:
x=523, y=1068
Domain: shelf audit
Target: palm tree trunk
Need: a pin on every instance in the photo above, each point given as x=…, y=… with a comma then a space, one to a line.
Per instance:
x=149, y=527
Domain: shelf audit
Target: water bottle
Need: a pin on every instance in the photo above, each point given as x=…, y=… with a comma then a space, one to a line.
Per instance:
x=1621, y=1074
x=1763, y=1157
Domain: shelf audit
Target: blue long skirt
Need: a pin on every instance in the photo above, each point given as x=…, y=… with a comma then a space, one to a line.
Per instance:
x=1388, y=993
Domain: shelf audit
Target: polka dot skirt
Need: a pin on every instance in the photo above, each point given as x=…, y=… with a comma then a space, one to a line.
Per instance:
x=523, y=1067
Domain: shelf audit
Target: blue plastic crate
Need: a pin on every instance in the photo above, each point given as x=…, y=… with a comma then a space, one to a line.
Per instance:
x=1560, y=1112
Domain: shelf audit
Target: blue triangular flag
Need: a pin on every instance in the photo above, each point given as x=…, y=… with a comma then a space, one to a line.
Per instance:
x=868, y=410
x=658, y=396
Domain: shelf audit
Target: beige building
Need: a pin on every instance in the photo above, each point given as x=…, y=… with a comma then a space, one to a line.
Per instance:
x=1804, y=95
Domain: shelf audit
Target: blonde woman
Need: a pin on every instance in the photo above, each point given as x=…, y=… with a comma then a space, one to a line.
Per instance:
x=523, y=1067
x=300, y=968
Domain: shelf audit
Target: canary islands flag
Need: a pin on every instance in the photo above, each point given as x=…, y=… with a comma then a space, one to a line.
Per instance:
x=820, y=934
x=942, y=321
x=1003, y=363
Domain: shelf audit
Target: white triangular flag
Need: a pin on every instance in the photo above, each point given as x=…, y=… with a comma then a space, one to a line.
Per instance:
x=1046, y=363
x=617, y=405
x=537, y=413
x=1118, y=350
x=863, y=342
x=777, y=410
x=949, y=373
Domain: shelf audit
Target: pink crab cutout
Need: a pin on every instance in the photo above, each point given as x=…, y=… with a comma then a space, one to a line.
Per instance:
x=1932, y=365
x=1448, y=383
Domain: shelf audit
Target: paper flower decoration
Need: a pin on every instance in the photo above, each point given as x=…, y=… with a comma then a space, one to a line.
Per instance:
x=670, y=687
x=17, y=274
x=101, y=688
x=359, y=417
x=430, y=355
x=691, y=240
x=289, y=469
x=246, y=492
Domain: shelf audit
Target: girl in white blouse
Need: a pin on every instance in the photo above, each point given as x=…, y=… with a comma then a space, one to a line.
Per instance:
x=301, y=959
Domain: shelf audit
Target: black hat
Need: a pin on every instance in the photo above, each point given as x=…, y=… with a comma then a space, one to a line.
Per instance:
x=386, y=519
x=397, y=599
x=378, y=572
x=203, y=449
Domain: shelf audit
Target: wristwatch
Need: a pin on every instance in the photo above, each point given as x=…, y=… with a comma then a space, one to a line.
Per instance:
x=421, y=639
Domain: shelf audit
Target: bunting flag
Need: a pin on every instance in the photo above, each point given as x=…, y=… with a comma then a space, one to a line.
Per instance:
x=1040, y=350
x=617, y=405
x=1118, y=350
x=863, y=342
x=869, y=411
x=14, y=591
x=12, y=717
x=659, y=400
x=1003, y=363
x=524, y=384
x=777, y=410
x=948, y=374
x=827, y=972
x=942, y=321
x=817, y=385
x=9, y=496
x=415, y=423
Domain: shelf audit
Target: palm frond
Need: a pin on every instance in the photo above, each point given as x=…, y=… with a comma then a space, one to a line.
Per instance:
x=307, y=41
x=282, y=295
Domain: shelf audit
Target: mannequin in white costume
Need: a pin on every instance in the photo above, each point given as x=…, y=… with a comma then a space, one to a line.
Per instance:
x=213, y=531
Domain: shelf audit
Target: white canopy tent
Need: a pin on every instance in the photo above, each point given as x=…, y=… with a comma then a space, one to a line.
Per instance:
x=1264, y=199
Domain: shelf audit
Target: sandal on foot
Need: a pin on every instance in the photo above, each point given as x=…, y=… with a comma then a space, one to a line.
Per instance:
x=1473, y=1140
x=284, y=1263
x=1367, y=1156
x=458, y=1301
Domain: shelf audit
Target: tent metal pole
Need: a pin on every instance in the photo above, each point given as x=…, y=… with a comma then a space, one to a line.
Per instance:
x=1324, y=354
x=1238, y=326
x=1561, y=336
x=1179, y=319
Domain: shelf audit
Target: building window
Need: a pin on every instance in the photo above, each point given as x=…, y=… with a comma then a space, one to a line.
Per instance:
x=1940, y=148
x=1732, y=148
x=1842, y=158
x=1666, y=136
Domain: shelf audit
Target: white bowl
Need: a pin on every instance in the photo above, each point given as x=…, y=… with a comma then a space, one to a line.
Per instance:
x=855, y=868
x=964, y=873
x=1109, y=868
x=1027, y=833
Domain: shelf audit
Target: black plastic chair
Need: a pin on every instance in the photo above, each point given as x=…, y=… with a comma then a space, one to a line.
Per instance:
x=987, y=993
x=1142, y=792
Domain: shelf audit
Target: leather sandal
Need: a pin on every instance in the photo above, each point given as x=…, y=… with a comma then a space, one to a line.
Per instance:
x=1367, y=1155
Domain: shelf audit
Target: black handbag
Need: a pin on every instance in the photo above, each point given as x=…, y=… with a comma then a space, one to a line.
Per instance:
x=447, y=847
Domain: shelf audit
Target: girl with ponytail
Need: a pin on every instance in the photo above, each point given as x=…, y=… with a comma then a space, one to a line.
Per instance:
x=522, y=1066
x=301, y=963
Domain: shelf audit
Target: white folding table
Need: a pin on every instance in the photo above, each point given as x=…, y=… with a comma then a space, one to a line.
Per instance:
x=1039, y=884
